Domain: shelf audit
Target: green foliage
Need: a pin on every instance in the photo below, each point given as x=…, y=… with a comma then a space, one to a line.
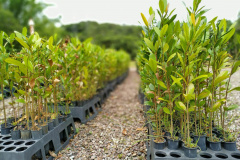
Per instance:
x=183, y=70
x=44, y=72
x=108, y=35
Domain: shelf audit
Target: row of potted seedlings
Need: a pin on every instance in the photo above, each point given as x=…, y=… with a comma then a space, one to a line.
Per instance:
x=186, y=71
x=44, y=74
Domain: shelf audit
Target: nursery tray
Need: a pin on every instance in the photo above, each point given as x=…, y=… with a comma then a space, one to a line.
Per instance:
x=55, y=140
x=167, y=154
x=86, y=112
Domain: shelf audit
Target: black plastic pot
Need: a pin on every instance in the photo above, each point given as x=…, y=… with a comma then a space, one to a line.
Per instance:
x=215, y=146
x=172, y=144
x=230, y=146
x=167, y=134
x=25, y=134
x=44, y=129
x=37, y=134
x=201, y=142
x=55, y=122
x=50, y=125
x=6, y=130
x=16, y=134
x=189, y=152
x=160, y=145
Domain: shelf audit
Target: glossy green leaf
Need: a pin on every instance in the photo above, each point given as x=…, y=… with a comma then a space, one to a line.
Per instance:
x=171, y=57
x=166, y=110
x=22, y=43
x=182, y=106
x=160, y=83
x=165, y=48
x=205, y=93
x=149, y=44
x=149, y=103
x=20, y=100
x=232, y=107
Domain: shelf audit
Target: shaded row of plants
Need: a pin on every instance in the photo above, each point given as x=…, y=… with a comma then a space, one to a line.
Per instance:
x=46, y=73
x=186, y=71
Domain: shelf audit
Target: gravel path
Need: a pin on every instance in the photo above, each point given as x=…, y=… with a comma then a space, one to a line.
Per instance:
x=116, y=131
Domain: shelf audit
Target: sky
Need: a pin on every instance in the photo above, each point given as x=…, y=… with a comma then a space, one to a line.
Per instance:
x=127, y=12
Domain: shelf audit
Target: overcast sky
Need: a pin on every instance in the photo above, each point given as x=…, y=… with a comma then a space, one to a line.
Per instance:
x=128, y=11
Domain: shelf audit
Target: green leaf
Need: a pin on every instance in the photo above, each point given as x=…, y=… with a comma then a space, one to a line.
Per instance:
x=190, y=88
x=171, y=57
x=176, y=96
x=228, y=35
x=21, y=66
x=166, y=110
x=232, y=107
x=216, y=106
x=205, y=93
x=162, y=84
x=163, y=30
x=176, y=81
x=22, y=43
x=186, y=31
x=20, y=100
x=235, y=67
x=24, y=31
x=148, y=103
x=21, y=92
x=222, y=76
x=157, y=31
x=50, y=43
x=151, y=87
x=149, y=44
x=161, y=6
x=182, y=106
x=153, y=63
x=180, y=59
x=199, y=77
x=165, y=47
x=234, y=89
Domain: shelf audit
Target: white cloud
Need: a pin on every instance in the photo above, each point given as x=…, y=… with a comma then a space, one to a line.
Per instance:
x=128, y=11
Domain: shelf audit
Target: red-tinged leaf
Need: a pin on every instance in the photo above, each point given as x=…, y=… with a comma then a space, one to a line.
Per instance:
x=32, y=82
x=50, y=62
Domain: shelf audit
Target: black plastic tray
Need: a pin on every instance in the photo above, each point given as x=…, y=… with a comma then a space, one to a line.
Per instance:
x=55, y=140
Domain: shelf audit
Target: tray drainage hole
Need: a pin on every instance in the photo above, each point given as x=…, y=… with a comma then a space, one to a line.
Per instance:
x=175, y=154
x=1, y=136
x=221, y=155
x=8, y=137
x=19, y=143
x=21, y=149
x=9, y=149
x=1, y=142
x=206, y=155
x=161, y=154
x=236, y=155
x=1, y=147
x=30, y=143
x=7, y=143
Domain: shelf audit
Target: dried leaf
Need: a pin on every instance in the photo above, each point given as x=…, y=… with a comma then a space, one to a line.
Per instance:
x=50, y=62
x=141, y=129
x=55, y=81
x=124, y=132
x=32, y=83
x=52, y=154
